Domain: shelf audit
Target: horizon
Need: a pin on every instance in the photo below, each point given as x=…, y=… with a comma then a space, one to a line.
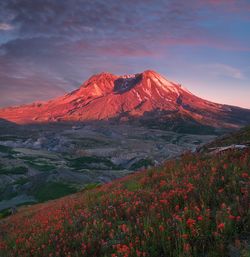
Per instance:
x=49, y=48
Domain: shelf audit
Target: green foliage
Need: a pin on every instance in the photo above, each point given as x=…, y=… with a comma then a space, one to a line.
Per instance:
x=90, y=142
x=9, y=138
x=132, y=185
x=143, y=163
x=21, y=181
x=41, y=165
x=6, y=149
x=91, y=186
x=91, y=162
x=5, y=213
x=240, y=137
x=52, y=190
x=181, y=125
x=28, y=158
x=13, y=170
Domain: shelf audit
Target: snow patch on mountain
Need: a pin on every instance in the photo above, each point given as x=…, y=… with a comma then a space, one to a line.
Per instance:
x=138, y=96
x=159, y=93
x=147, y=92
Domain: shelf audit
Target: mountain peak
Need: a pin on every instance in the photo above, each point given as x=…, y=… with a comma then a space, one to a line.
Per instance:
x=107, y=96
x=101, y=76
x=109, y=75
x=150, y=73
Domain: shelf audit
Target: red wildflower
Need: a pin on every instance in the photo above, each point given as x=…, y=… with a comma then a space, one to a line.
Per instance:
x=221, y=226
x=190, y=222
x=225, y=166
x=214, y=169
x=186, y=248
x=199, y=218
x=163, y=183
x=184, y=236
x=220, y=190
x=161, y=228
x=223, y=206
x=244, y=175
x=124, y=228
x=163, y=201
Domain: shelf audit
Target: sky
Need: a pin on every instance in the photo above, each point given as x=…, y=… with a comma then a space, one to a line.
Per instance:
x=49, y=47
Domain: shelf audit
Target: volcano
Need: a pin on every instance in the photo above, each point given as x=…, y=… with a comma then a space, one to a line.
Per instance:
x=145, y=97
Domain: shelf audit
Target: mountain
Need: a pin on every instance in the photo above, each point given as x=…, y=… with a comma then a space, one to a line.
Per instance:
x=147, y=97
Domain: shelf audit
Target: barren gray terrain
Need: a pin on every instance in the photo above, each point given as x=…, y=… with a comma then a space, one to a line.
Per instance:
x=43, y=162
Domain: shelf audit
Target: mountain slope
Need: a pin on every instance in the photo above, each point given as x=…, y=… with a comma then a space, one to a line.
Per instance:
x=195, y=206
x=239, y=138
x=144, y=96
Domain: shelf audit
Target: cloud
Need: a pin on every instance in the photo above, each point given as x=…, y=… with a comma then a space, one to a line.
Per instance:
x=97, y=19
x=230, y=6
x=6, y=26
x=205, y=40
x=16, y=90
x=66, y=41
x=219, y=69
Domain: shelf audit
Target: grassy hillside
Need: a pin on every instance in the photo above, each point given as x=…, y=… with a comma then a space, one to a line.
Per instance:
x=195, y=206
x=240, y=137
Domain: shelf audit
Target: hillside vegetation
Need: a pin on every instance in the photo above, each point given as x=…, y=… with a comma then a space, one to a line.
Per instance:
x=195, y=206
x=241, y=137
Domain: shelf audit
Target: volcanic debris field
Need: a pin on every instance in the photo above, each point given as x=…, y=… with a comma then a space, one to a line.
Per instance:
x=43, y=162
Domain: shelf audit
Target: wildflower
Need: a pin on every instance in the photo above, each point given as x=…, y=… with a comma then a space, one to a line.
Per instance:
x=244, y=190
x=177, y=217
x=124, y=228
x=161, y=228
x=190, y=222
x=223, y=206
x=214, y=169
x=220, y=190
x=215, y=233
x=184, y=236
x=197, y=209
x=186, y=248
x=244, y=175
x=199, y=218
x=221, y=226
x=163, y=183
x=163, y=201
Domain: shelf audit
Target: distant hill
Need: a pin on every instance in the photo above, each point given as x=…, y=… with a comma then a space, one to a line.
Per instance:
x=240, y=137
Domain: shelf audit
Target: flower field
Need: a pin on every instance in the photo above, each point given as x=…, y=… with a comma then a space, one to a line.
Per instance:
x=197, y=205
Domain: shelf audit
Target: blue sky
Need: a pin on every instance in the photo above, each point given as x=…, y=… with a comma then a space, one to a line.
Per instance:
x=49, y=47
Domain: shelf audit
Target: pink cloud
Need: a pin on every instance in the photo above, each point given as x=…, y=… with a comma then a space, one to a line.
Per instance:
x=232, y=6
x=207, y=42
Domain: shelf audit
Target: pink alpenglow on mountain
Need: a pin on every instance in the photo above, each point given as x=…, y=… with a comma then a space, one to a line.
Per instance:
x=141, y=96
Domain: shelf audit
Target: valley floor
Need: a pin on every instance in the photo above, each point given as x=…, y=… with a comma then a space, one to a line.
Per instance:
x=44, y=162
